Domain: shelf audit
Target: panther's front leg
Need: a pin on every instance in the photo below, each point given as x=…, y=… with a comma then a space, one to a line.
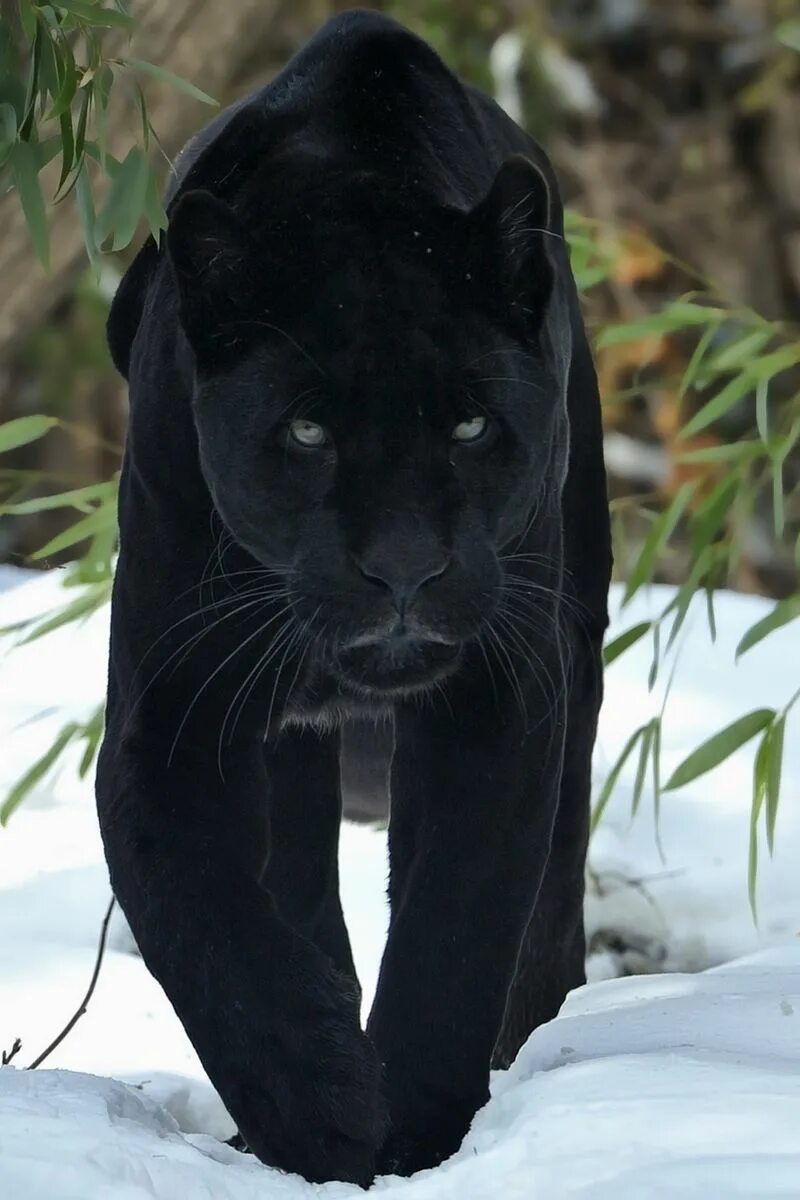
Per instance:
x=275, y=1024
x=474, y=794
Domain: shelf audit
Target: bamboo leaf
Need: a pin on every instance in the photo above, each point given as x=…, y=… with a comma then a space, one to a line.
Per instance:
x=778, y=517
x=772, y=364
x=641, y=770
x=759, y=792
x=69, y=83
x=660, y=533
x=719, y=747
x=67, y=148
x=85, y=202
x=741, y=350
x=24, y=430
x=27, y=19
x=724, y=400
x=26, y=180
x=710, y=614
x=93, y=14
x=125, y=202
x=175, y=81
x=620, y=644
x=92, y=732
x=614, y=774
x=709, y=517
x=783, y=612
x=762, y=422
x=654, y=665
x=39, y=769
x=696, y=361
x=734, y=452
x=81, y=607
x=99, y=519
x=774, y=769
x=788, y=32
x=79, y=498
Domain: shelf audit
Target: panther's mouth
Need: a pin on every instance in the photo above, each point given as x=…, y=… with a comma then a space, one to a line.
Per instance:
x=396, y=665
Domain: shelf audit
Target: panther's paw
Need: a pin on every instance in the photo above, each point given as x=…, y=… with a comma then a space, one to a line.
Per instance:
x=318, y=1110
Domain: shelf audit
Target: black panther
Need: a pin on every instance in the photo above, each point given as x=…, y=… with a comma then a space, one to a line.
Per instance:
x=363, y=477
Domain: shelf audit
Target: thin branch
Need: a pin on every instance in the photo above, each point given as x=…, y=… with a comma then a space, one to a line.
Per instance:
x=7, y=1055
x=101, y=947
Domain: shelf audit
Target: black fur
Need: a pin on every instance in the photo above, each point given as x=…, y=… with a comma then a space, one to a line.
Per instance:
x=370, y=246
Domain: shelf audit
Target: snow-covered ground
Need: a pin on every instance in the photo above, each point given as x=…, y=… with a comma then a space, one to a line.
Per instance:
x=670, y=1085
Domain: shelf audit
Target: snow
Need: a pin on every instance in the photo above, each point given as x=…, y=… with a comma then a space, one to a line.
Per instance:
x=677, y=1084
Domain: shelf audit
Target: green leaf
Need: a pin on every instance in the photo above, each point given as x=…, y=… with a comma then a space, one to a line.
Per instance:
x=92, y=732
x=696, y=361
x=778, y=518
x=8, y=126
x=26, y=180
x=641, y=770
x=734, y=452
x=79, y=498
x=175, y=81
x=85, y=203
x=783, y=612
x=711, y=615
x=154, y=210
x=140, y=100
x=32, y=83
x=772, y=364
x=788, y=32
x=679, y=315
x=67, y=148
x=660, y=533
x=707, y=558
x=620, y=644
x=92, y=14
x=709, y=517
x=23, y=430
x=741, y=351
x=81, y=607
x=39, y=769
x=762, y=414
x=719, y=747
x=123, y=207
x=27, y=19
x=759, y=792
x=614, y=774
x=83, y=117
x=99, y=519
x=653, y=672
x=69, y=83
x=774, y=769
x=715, y=408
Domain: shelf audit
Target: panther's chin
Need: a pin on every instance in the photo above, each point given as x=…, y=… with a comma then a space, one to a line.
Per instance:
x=392, y=667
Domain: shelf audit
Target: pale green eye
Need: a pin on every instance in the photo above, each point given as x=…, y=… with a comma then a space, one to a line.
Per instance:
x=308, y=434
x=470, y=431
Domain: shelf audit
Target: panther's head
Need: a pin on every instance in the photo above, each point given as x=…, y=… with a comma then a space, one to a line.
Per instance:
x=379, y=402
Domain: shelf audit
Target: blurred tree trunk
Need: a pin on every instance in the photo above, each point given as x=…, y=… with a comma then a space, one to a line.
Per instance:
x=223, y=48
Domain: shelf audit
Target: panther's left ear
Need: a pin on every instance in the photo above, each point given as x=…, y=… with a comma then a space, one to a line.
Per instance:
x=510, y=235
x=212, y=255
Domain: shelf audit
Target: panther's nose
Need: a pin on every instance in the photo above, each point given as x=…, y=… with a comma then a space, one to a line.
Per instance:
x=403, y=580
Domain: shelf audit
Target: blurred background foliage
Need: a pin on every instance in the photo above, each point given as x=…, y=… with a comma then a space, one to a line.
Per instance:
x=675, y=131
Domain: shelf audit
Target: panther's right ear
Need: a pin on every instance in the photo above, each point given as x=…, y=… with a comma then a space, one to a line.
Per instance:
x=213, y=258
x=127, y=304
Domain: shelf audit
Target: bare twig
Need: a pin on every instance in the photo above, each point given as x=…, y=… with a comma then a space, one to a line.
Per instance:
x=101, y=947
x=7, y=1055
